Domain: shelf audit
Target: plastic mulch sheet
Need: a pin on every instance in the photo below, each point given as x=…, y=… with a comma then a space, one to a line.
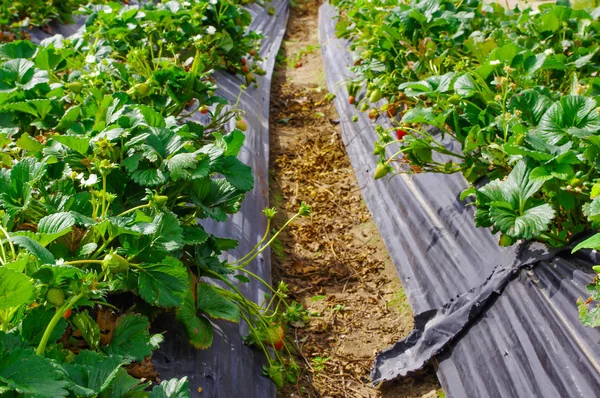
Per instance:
x=496, y=322
x=229, y=368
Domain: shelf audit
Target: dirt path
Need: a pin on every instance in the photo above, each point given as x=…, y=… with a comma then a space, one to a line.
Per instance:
x=335, y=263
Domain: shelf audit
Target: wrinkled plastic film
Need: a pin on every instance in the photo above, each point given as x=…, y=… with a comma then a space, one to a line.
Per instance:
x=500, y=322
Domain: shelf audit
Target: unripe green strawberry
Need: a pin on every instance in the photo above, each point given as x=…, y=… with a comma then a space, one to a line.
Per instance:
x=454, y=100
x=160, y=199
x=55, y=296
x=241, y=124
x=376, y=95
x=382, y=170
x=576, y=182
x=75, y=87
x=115, y=263
x=141, y=89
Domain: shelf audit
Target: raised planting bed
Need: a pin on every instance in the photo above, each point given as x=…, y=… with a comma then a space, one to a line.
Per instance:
x=495, y=321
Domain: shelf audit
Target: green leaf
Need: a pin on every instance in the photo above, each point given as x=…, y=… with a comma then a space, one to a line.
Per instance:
x=188, y=166
x=572, y=115
x=163, y=284
x=78, y=144
x=198, y=328
x=519, y=186
x=34, y=248
x=16, y=289
x=212, y=302
x=35, y=323
x=29, y=144
x=528, y=225
x=194, y=235
x=91, y=373
x=588, y=317
x=20, y=74
x=56, y=223
x=235, y=141
x=123, y=386
x=89, y=329
x=592, y=242
x=540, y=173
x=465, y=86
x=531, y=104
x=24, y=371
x=174, y=388
x=164, y=235
x=131, y=339
x=149, y=177
x=237, y=173
x=17, y=49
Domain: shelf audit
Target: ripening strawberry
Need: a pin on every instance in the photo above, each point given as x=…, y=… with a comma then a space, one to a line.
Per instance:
x=204, y=109
x=241, y=124
x=400, y=134
x=351, y=100
x=275, y=336
x=245, y=69
x=67, y=313
x=244, y=61
x=298, y=65
x=373, y=114
x=252, y=52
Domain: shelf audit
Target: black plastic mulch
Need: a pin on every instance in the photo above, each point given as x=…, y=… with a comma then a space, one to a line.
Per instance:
x=496, y=322
x=229, y=368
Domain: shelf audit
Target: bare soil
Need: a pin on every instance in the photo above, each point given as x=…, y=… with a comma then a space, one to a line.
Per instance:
x=335, y=262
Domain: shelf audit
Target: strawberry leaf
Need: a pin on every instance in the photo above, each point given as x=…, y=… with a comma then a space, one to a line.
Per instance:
x=163, y=284
x=131, y=339
x=174, y=388
x=16, y=289
x=212, y=302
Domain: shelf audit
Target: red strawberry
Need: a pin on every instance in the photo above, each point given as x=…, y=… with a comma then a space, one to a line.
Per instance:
x=351, y=99
x=400, y=134
x=298, y=65
x=204, y=109
x=245, y=69
x=391, y=111
x=244, y=61
x=252, y=52
x=67, y=313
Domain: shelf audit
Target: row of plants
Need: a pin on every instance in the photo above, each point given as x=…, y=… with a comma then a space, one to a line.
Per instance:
x=114, y=148
x=513, y=96
x=18, y=16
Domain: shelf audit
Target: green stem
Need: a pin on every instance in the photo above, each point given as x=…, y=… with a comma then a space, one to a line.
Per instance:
x=75, y=262
x=54, y=321
x=245, y=263
x=12, y=248
x=134, y=209
x=256, y=246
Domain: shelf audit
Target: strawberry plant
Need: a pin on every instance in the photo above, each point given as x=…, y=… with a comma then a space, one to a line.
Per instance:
x=512, y=96
x=104, y=183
